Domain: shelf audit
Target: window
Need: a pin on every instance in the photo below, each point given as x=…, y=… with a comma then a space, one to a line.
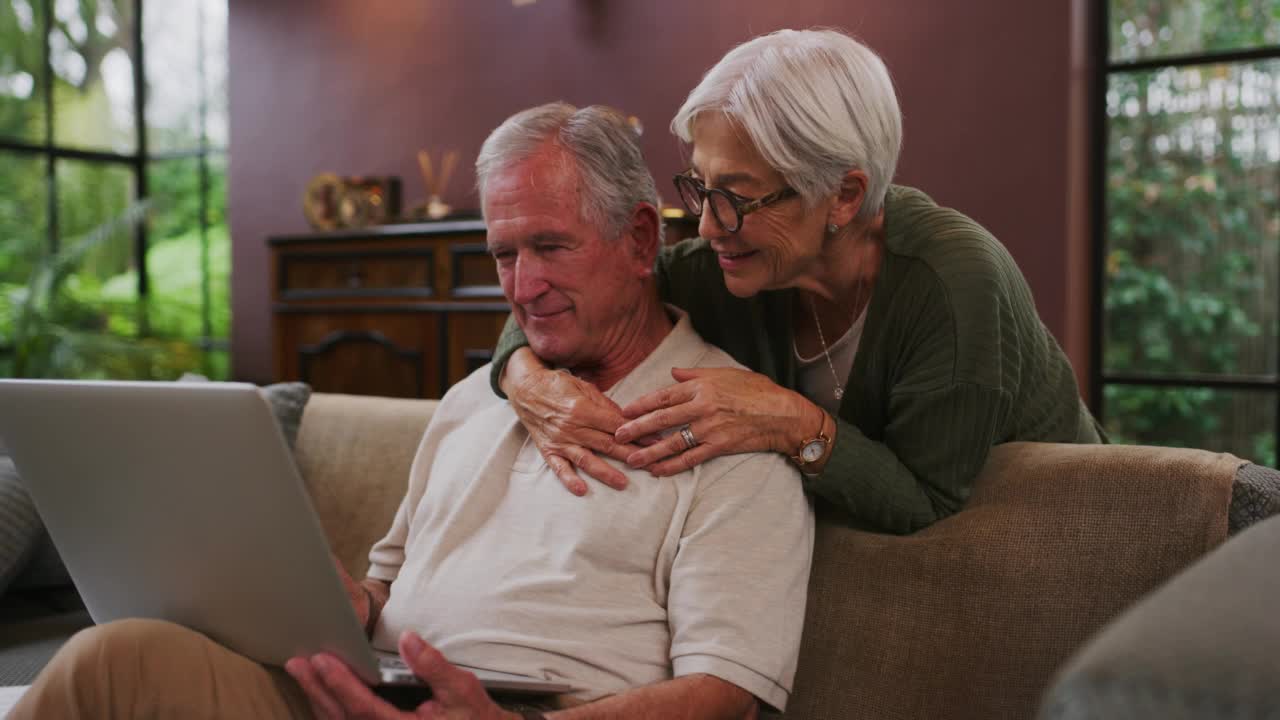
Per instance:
x=114, y=251
x=1188, y=261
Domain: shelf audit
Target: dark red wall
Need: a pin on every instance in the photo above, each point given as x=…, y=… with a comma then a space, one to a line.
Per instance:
x=360, y=87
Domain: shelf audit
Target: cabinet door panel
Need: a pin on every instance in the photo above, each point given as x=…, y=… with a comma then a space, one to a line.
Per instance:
x=395, y=355
x=471, y=337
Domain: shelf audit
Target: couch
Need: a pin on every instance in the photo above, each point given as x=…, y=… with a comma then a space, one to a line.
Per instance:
x=969, y=618
x=1204, y=645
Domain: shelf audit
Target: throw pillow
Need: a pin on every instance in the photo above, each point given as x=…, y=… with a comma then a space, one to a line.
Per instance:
x=20, y=526
x=288, y=400
x=1255, y=496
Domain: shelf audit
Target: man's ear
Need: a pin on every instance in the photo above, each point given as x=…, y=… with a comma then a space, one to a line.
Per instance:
x=850, y=197
x=644, y=237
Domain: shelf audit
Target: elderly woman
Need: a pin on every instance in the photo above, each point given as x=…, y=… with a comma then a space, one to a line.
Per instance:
x=893, y=341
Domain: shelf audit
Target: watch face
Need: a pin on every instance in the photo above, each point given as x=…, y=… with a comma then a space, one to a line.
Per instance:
x=812, y=450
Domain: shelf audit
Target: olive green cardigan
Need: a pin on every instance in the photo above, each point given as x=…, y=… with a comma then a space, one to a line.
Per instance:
x=953, y=359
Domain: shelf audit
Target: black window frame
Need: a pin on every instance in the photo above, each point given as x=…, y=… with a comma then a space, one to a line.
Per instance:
x=137, y=162
x=1105, y=68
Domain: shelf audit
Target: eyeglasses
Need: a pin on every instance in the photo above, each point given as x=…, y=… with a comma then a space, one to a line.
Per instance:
x=727, y=208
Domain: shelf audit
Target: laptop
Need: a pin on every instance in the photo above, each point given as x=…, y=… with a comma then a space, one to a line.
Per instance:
x=181, y=502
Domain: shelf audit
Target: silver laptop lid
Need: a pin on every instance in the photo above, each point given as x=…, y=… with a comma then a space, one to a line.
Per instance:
x=181, y=502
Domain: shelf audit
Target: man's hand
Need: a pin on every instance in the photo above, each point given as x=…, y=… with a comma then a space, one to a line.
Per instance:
x=336, y=693
x=367, y=597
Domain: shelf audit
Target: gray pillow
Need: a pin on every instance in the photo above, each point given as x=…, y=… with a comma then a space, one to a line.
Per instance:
x=20, y=526
x=288, y=400
x=1255, y=496
x=28, y=558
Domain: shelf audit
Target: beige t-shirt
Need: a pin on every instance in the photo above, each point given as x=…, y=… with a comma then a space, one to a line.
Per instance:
x=501, y=568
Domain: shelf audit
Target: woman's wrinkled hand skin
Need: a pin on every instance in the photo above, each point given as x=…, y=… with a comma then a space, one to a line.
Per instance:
x=570, y=421
x=728, y=410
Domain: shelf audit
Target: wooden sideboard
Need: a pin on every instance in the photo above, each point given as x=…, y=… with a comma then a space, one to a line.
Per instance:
x=396, y=310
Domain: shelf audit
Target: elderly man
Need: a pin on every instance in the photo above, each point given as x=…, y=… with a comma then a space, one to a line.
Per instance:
x=683, y=597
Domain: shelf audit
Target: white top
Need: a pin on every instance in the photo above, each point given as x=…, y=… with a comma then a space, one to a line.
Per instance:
x=813, y=375
x=500, y=567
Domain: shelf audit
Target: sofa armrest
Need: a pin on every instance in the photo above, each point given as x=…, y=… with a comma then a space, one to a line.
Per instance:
x=354, y=453
x=1207, y=644
x=970, y=617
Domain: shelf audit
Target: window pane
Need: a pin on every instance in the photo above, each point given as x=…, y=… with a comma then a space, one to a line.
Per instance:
x=22, y=75
x=92, y=52
x=215, y=68
x=171, y=36
x=1241, y=422
x=91, y=195
x=217, y=365
x=1193, y=220
x=23, y=239
x=24, y=209
x=175, y=254
x=219, y=250
x=88, y=310
x=1143, y=29
x=189, y=271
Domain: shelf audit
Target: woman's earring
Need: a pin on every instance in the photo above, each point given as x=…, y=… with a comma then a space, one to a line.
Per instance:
x=832, y=228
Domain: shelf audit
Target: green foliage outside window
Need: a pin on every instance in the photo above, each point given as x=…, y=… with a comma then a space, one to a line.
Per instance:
x=93, y=315
x=1193, y=225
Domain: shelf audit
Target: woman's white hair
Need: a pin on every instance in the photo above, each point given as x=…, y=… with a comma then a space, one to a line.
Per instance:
x=814, y=103
x=604, y=148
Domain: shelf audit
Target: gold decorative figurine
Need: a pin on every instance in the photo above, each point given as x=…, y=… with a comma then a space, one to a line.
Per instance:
x=436, y=208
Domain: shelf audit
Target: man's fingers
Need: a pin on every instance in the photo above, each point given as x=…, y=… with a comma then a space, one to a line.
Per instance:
x=323, y=704
x=354, y=697
x=431, y=710
x=450, y=685
x=658, y=399
x=564, y=470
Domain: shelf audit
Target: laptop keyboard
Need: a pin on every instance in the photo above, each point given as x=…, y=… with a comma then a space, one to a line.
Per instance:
x=392, y=663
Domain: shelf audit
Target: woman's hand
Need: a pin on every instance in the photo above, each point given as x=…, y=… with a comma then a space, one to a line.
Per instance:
x=569, y=420
x=728, y=411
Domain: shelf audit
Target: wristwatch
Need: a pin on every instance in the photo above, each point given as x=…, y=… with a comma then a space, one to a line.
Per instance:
x=813, y=450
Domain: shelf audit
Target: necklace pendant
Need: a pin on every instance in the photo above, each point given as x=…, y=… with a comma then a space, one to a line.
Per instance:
x=839, y=393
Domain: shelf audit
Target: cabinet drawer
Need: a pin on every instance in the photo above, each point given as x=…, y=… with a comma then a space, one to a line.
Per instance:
x=473, y=273
x=374, y=273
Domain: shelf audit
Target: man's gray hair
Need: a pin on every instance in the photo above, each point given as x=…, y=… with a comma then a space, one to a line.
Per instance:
x=815, y=103
x=612, y=176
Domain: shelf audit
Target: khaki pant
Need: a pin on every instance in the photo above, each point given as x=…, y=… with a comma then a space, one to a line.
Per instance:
x=156, y=669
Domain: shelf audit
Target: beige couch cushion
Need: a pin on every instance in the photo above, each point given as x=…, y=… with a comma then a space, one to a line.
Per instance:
x=354, y=453
x=970, y=617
